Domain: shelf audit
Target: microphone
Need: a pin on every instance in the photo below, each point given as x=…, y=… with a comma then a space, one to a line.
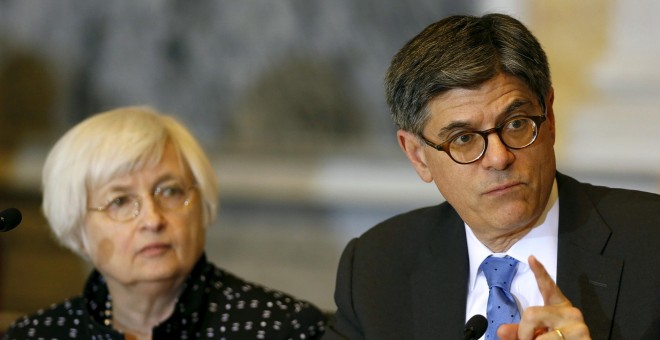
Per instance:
x=10, y=219
x=475, y=327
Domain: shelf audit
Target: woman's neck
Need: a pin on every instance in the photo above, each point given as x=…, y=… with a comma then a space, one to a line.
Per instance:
x=136, y=310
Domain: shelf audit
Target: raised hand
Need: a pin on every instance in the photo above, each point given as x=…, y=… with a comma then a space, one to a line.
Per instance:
x=557, y=319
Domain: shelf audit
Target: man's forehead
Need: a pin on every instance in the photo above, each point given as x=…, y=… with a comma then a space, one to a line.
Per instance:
x=496, y=94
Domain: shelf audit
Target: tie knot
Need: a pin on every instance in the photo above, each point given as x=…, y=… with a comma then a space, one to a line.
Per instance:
x=499, y=271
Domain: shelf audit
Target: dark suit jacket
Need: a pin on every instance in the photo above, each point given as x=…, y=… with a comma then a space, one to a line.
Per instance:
x=407, y=277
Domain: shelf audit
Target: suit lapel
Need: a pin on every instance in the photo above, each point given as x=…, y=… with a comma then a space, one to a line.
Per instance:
x=438, y=285
x=588, y=279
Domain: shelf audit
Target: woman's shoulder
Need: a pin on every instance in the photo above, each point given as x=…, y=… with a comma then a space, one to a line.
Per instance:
x=60, y=319
x=244, y=293
x=239, y=303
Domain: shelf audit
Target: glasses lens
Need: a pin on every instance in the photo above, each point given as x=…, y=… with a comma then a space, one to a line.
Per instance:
x=172, y=196
x=467, y=147
x=123, y=208
x=519, y=132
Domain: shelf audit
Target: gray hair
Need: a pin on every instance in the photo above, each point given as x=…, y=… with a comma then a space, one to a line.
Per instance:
x=111, y=144
x=461, y=52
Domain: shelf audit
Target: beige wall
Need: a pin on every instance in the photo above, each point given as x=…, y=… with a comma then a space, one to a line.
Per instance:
x=574, y=35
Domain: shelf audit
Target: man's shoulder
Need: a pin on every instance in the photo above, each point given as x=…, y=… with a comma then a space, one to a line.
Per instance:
x=409, y=228
x=603, y=195
x=626, y=212
x=422, y=217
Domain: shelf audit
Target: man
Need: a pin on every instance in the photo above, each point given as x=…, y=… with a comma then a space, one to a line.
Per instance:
x=473, y=102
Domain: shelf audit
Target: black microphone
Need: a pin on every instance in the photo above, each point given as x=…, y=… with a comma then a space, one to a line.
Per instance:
x=10, y=219
x=475, y=327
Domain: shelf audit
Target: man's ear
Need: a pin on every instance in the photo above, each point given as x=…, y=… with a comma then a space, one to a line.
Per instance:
x=550, y=112
x=414, y=150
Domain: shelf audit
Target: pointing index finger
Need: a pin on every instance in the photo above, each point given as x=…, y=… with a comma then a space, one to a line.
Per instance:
x=551, y=293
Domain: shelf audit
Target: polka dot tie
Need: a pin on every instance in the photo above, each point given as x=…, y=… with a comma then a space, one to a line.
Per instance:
x=502, y=307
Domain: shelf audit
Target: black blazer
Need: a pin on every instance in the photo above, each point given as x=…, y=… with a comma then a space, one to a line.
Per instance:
x=407, y=277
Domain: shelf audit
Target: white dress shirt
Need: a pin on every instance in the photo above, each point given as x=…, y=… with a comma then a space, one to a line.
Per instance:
x=541, y=242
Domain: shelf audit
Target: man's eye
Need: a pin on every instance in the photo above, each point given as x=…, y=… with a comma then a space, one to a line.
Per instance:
x=517, y=124
x=464, y=139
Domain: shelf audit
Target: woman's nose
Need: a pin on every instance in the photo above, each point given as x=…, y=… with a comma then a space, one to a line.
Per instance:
x=151, y=215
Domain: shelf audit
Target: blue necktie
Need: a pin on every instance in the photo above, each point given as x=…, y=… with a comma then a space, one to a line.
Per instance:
x=502, y=307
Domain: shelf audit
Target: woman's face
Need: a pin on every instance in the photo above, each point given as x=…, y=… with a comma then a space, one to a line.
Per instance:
x=160, y=244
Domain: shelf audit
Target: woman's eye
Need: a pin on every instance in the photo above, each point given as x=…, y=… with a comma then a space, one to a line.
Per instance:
x=173, y=190
x=119, y=201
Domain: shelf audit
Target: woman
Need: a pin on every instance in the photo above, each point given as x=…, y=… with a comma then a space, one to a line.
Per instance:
x=131, y=191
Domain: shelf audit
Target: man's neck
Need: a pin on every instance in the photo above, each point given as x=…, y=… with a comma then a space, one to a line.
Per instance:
x=499, y=242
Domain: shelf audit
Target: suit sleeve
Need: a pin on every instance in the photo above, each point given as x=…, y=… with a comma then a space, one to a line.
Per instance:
x=345, y=324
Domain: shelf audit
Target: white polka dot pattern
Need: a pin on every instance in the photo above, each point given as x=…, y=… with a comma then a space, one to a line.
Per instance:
x=213, y=305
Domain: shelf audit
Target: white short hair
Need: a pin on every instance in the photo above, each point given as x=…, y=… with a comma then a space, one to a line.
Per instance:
x=111, y=144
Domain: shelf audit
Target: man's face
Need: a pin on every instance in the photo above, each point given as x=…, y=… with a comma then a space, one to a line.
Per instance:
x=503, y=193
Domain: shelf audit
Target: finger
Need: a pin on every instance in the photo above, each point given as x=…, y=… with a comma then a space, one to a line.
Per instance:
x=575, y=331
x=508, y=331
x=535, y=321
x=551, y=293
x=551, y=335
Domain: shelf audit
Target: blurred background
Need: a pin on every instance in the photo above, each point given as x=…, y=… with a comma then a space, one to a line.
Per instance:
x=287, y=98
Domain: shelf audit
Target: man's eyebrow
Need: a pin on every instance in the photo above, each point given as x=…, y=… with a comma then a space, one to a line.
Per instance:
x=454, y=126
x=515, y=105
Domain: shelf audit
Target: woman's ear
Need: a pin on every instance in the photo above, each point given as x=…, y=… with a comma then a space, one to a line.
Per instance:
x=84, y=243
x=414, y=150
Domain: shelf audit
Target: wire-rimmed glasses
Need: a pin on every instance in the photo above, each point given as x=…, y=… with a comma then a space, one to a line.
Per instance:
x=169, y=196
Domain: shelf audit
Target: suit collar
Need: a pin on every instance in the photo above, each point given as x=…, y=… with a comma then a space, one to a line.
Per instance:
x=587, y=278
x=580, y=221
x=438, y=295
